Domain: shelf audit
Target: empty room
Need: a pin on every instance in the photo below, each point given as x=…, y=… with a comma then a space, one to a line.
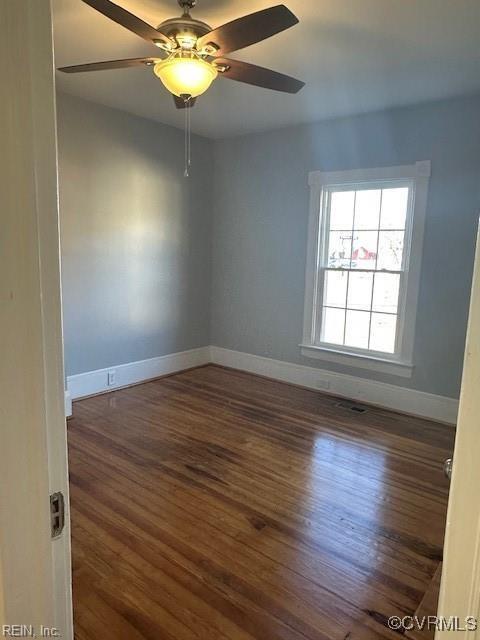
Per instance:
x=240, y=320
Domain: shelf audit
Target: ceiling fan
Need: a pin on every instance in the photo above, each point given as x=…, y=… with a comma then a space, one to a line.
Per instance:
x=192, y=53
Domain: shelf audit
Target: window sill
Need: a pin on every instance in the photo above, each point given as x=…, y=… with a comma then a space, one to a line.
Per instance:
x=360, y=360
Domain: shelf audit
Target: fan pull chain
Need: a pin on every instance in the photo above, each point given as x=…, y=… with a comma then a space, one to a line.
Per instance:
x=188, y=131
x=189, y=113
x=185, y=173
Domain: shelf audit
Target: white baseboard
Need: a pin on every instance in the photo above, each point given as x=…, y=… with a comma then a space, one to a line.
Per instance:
x=92, y=382
x=68, y=404
x=386, y=395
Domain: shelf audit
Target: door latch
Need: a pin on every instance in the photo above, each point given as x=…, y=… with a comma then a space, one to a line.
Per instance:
x=57, y=513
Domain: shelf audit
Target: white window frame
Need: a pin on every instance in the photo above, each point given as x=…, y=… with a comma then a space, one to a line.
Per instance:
x=416, y=177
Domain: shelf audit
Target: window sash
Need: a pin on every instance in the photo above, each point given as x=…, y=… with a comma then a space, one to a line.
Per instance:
x=319, y=306
x=322, y=264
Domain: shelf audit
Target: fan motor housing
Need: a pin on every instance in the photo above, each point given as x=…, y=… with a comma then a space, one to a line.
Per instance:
x=184, y=25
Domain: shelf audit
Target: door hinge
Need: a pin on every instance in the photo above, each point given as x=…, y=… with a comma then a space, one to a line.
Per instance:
x=57, y=513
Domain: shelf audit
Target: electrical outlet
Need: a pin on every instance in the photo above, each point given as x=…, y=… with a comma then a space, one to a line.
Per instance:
x=322, y=384
x=111, y=378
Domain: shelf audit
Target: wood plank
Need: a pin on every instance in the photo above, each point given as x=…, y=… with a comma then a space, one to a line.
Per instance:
x=428, y=608
x=219, y=505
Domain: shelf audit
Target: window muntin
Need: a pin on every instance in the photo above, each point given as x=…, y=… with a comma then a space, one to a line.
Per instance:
x=362, y=266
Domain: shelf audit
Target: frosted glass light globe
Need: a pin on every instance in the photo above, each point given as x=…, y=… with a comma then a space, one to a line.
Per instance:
x=185, y=75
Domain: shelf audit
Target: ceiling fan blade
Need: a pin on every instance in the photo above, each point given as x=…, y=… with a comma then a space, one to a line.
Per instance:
x=126, y=19
x=180, y=103
x=252, y=28
x=258, y=76
x=110, y=64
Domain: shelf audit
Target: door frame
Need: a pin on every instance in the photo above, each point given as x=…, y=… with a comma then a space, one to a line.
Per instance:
x=460, y=586
x=35, y=572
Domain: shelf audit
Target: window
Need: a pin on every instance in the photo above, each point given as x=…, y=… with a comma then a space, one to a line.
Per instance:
x=363, y=266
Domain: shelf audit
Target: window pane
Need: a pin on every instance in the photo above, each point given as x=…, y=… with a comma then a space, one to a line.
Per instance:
x=360, y=290
x=365, y=240
x=333, y=325
x=394, y=208
x=390, y=250
x=364, y=253
x=367, y=209
x=335, y=288
x=356, y=330
x=339, y=248
x=341, y=209
x=385, y=292
x=382, y=332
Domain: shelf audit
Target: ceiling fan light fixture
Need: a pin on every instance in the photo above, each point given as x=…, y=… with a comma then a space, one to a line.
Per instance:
x=185, y=74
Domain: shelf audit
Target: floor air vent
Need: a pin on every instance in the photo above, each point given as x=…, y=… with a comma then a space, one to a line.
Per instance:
x=349, y=406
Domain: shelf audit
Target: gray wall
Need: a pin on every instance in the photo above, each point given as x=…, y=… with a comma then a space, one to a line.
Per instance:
x=260, y=230
x=135, y=237
x=149, y=269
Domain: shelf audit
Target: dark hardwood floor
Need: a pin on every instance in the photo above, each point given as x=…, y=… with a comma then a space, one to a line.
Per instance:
x=218, y=505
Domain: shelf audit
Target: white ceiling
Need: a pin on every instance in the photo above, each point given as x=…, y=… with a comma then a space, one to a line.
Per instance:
x=355, y=56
